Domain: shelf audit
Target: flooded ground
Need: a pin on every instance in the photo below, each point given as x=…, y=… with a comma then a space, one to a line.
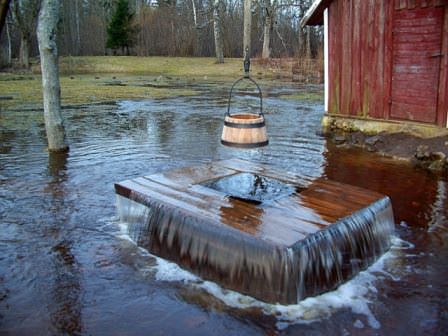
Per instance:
x=68, y=267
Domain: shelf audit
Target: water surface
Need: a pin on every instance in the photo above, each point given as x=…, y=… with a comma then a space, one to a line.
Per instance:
x=68, y=268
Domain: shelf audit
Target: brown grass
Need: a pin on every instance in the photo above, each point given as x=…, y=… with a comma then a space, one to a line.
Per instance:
x=303, y=70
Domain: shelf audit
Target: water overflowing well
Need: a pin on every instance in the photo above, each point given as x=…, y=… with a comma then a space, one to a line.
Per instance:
x=261, y=232
x=68, y=267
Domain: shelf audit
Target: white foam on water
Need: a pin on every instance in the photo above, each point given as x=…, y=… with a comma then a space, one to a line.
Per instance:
x=356, y=294
x=358, y=324
x=169, y=271
x=123, y=232
x=400, y=244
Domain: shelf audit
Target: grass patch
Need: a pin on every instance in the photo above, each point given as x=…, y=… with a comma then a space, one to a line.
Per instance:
x=313, y=96
x=85, y=89
x=92, y=79
x=167, y=66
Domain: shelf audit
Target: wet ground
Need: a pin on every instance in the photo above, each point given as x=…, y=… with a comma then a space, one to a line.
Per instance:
x=68, y=267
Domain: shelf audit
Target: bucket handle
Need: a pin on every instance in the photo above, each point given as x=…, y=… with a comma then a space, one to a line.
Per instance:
x=231, y=91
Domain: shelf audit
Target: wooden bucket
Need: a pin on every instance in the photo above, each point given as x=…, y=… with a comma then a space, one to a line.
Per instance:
x=244, y=130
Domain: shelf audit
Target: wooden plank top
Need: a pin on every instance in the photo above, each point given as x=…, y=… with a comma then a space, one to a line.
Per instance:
x=282, y=222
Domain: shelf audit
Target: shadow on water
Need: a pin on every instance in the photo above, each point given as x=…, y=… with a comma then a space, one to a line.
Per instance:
x=67, y=267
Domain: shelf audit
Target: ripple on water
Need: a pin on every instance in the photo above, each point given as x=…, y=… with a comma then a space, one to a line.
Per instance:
x=61, y=208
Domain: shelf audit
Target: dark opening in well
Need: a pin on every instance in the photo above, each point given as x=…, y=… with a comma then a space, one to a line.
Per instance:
x=251, y=187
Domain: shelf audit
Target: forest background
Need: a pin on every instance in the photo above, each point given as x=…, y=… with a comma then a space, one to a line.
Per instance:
x=165, y=28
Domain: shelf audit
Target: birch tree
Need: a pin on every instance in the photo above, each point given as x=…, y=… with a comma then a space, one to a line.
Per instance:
x=247, y=29
x=217, y=28
x=5, y=46
x=25, y=13
x=269, y=10
x=46, y=35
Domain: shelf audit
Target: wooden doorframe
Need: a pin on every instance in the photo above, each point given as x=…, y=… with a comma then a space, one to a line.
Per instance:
x=442, y=108
x=388, y=58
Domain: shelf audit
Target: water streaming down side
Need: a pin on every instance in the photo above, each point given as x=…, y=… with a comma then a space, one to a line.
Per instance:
x=268, y=272
x=329, y=257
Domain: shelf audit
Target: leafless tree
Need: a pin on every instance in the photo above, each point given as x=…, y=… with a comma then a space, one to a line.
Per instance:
x=4, y=7
x=247, y=32
x=269, y=10
x=25, y=16
x=181, y=28
x=217, y=29
x=5, y=43
x=46, y=34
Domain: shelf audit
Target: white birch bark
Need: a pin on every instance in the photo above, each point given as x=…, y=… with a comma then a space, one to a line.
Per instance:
x=267, y=29
x=78, y=34
x=24, y=57
x=195, y=16
x=247, y=29
x=46, y=35
x=8, y=36
x=217, y=28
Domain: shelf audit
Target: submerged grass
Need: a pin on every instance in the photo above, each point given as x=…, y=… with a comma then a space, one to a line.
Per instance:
x=85, y=89
x=313, y=96
x=87, y=80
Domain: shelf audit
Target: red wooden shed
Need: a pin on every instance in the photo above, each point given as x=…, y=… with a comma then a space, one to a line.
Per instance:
x=386, y=60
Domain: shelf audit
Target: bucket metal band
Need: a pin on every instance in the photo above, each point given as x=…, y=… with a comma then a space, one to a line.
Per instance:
x=238, y=125
x=245, y=145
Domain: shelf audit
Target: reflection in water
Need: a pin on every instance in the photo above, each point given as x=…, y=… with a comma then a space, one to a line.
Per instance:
x=412, y=191
x=235, y=216
x=57, y=164
x=65, y=308
x=438, y=223
x=51, y=210
x=251, y=187
x=164, y=123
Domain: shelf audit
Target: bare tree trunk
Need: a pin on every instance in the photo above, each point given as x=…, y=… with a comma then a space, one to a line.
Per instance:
x=267, y=29
x=218, y=31
x=46, y=35
x=300, y=41
x=4, y=6
x=308, y=42
x=138, y=7
x=78, y=35
x=25, y=13
x=5, y=47
x=8, y=37
x=195, y=15
x=24, y=57
x=247, y=29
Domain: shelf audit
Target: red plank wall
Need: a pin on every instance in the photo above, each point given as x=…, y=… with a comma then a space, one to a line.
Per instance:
x=377, y=65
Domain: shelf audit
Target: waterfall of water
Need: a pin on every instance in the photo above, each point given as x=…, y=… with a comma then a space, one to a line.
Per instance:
x=271, y=273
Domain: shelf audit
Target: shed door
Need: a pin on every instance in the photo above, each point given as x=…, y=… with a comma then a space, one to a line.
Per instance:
x=417, y=50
